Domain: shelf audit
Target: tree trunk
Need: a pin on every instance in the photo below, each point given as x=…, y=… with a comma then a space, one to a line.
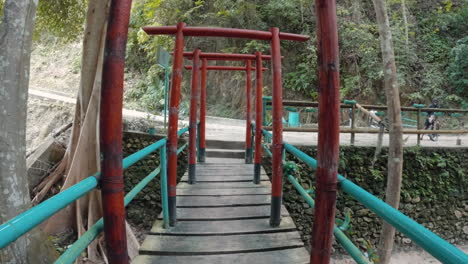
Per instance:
x=82, y=157
x=395, y=149
x=405, y=21
x=16, y=32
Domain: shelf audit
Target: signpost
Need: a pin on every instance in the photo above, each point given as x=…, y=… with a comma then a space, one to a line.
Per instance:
x=163, y=61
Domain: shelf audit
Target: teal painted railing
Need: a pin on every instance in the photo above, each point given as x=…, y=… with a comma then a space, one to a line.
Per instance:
x=21, y=224
x=344, y=241
x=430, y=242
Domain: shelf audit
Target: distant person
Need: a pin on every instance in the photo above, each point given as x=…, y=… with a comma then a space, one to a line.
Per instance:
x=434, y=104
x=431, y=118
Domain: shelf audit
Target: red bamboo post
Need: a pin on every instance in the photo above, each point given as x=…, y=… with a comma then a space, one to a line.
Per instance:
x=226, y=68
x=328, y=135
x=173, y=121
x=112, y=185
x=223, y=32
x=192, y=147
x=258, y=118
x=277, y=145
x=225, y=56
x=201, y=151
x=248, y=118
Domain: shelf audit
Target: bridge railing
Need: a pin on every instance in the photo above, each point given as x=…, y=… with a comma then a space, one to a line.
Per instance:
x=430, y=242
x=21, y=224
x=412, y=126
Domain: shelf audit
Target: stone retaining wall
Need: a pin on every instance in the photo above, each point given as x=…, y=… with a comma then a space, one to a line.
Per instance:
x=146, y=206
x=434, y=192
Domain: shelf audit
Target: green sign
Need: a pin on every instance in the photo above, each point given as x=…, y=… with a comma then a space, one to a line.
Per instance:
x=163, y=57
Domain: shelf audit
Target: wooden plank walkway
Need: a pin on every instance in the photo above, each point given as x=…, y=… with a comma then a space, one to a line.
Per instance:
x=224, y=218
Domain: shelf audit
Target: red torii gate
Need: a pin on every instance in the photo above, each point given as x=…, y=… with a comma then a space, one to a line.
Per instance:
x=328, y=144
x=193, y=112
x=225, y=68
x=111, y=121
x=274, y=36
x=225, y=57
x=258, y=57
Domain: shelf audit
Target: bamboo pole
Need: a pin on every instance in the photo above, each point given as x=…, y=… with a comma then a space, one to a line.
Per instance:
x=374, y=131
x=372, y=107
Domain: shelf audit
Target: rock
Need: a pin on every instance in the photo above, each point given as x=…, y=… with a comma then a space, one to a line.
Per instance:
x=416, y=199
x=362, y=212
x=465, y=230
x=406, y=241
x=407, y=199
x=367, y=219
x=458, y=214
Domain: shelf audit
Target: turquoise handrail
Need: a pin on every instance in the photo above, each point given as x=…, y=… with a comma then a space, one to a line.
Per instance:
x=409, y=120
x=74, y=251
x=182, y=148
x=24, y=222
x=344, y=241
x=265, y=147
x=430, y=242
x=19, y=225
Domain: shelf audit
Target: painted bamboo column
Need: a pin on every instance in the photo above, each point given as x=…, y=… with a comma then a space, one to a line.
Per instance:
x=192, y=147
x=277, y=145
x=173, y=121
x=258, y=117
x=201, y=151
x=112, y=184
x=328, y=135
x=248, y=125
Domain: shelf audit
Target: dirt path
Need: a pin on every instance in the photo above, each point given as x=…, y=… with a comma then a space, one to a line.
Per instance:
x=234, y=129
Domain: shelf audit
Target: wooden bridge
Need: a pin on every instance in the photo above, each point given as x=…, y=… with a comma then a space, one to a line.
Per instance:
x=224, y=218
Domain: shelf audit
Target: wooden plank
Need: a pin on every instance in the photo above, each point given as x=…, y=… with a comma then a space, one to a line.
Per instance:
x=226, y=172
x=223, y=192
x=290, y=256
x=217, y=165
x=231, y=170
x=224, y=160
x=204, y=245
x=229, y=164
x=224, y=178
x=217, y=200
x=223, y=185
x=224, y=227
x=211, y=161
x=225, y=213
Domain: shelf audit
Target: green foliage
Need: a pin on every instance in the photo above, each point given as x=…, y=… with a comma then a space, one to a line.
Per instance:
x=429, y=48
x=430, y=174
x=61, y=18
x=422, y=56
x=148, y=92
x=304, y=79
x=458, y=69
